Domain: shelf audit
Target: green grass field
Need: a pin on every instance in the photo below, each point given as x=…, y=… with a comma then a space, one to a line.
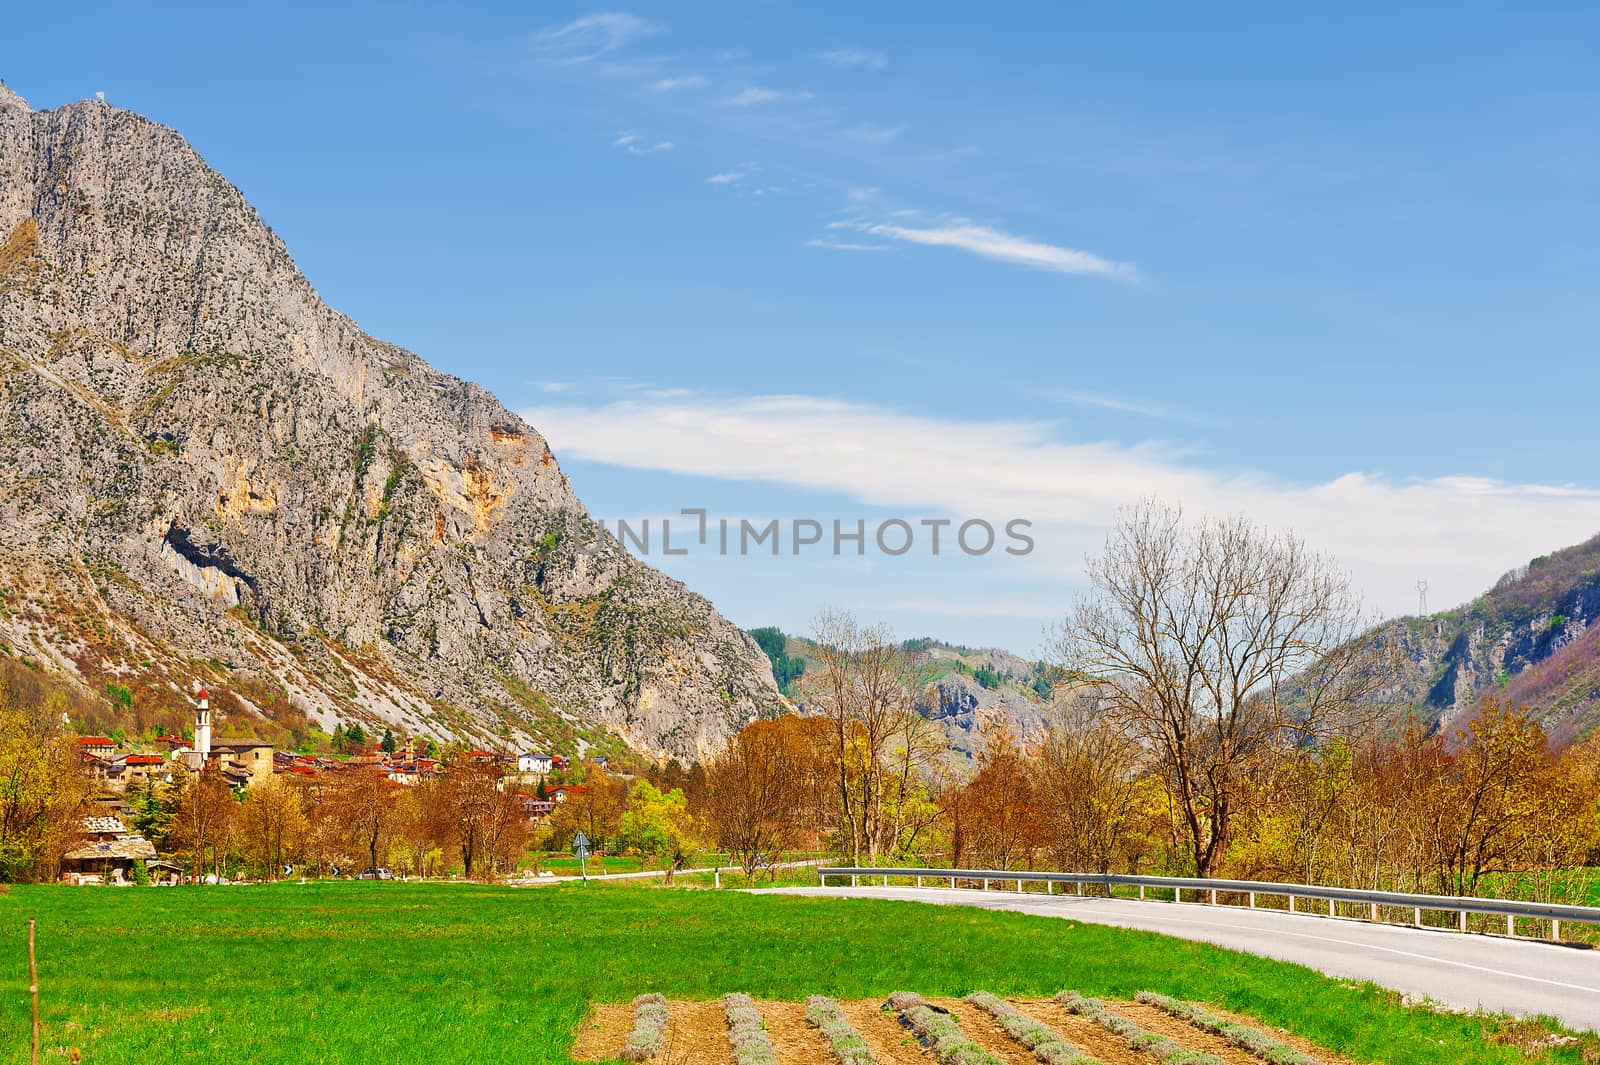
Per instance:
x=389, y=972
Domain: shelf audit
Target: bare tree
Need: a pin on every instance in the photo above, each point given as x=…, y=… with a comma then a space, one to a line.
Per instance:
x=1093, y=788
x=1217, y=643
x=867, y=686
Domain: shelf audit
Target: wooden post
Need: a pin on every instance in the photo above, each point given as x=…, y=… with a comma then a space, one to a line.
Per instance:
x=33, y=992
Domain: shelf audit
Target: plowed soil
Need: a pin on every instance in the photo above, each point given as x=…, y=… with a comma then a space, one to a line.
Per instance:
x=697, y=1034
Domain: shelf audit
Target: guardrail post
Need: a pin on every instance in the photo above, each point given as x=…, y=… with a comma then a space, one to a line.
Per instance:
x=986, y=884
x=1291, y=903
x=1463, y=921
x=885, y=879
x=1416, y=915
x=952, y=883
x=854, y=880
x=1555, y=929
x=1213, y=896
x=1511, y=925
x=1049, y=887
x=1252, y=900
x=1372, y=912
x=1141, y=892
x=1080, y=887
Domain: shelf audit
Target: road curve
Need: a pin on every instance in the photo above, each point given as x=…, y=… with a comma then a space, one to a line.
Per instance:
x=1517, y=976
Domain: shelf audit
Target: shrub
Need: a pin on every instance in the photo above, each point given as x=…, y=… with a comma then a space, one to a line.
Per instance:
x=649, y=1033
x=1253, y=1040
x=1045, y=1042
x=848, y=1045
x=747, y=1032
x=939, y=1032
x=1157, y=1046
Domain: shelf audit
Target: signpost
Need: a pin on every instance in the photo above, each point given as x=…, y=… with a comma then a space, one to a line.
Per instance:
x=580, y=848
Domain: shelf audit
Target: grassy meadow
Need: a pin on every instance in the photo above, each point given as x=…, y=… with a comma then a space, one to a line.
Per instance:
x=426, y=973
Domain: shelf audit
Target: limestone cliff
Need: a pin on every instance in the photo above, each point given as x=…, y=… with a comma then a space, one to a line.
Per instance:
x=204, y=470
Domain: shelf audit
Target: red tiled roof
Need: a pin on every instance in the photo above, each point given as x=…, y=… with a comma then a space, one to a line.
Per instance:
x=96, y=741
x=144, y=759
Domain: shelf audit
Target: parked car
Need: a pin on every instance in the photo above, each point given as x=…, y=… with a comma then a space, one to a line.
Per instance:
x=375, y=874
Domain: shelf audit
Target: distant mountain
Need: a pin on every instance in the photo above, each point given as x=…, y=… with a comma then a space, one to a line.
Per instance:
x=973, y=694
x=206, y=473
x=1532, y=638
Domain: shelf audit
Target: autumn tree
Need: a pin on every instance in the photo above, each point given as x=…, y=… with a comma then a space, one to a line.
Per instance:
x=273, y=825
x=362, y=807
x=867, y=687
x=1218, y=644
x=760, y=790
x=595, y=807
x=207, y=814
x=44, y=789
x=1000, y=806
x=1095, y=797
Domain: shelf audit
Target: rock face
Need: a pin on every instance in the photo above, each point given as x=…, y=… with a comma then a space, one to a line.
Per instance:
x=1532, y=638
x=204, y=470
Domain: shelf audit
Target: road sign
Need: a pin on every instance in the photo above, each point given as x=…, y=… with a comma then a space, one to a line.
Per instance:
x=580, y=848
x=580, y=840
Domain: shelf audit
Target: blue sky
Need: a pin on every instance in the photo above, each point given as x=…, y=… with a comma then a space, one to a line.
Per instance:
x=1335, y=270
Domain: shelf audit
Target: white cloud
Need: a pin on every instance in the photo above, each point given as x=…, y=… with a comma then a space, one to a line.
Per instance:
x=1458, y=532
x=1122, y=406
x=863, y=193
x=875, y=134
x=855, y=57
x=735, y=176
x=591, y=36
x=997, y=245
x=686, y=81
x=757, y=95
x=845, y=245
x=631, y=143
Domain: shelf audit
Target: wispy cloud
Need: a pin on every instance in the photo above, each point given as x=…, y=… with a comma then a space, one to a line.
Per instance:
x=1100, y=401
x=855, y=57
x=999, y=246
x=679, y=83
x=631, y=143
x=1459, y=531
x=739, y=174
x=845, y=245
x=875, y=134
x=757, y=95
x=591, y=36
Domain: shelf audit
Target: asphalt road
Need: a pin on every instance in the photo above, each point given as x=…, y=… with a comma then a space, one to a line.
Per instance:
x=1517, y=976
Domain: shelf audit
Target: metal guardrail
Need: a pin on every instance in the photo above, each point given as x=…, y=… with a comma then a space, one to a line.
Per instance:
x=1510, y=909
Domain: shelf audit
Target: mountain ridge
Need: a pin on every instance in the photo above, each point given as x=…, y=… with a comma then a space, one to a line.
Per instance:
x=210, y=473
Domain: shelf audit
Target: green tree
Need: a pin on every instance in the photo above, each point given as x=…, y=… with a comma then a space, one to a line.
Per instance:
x=388, y=745
x=658, y=826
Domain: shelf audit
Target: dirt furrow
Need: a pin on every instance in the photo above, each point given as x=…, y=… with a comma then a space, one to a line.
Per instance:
x=1088, y=1036
x=793, y=1037
x=1153, y=1020
x=984, y=1030
x=889, y=1042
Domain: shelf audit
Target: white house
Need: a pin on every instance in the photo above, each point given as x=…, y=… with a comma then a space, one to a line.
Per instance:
x=534, y=763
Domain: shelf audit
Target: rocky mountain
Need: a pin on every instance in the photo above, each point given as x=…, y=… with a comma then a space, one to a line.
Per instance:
x=1532, y=638
x=206, y=473
x=972, y=694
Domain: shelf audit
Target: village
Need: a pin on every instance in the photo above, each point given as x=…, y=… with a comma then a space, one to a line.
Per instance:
x=166, y=788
